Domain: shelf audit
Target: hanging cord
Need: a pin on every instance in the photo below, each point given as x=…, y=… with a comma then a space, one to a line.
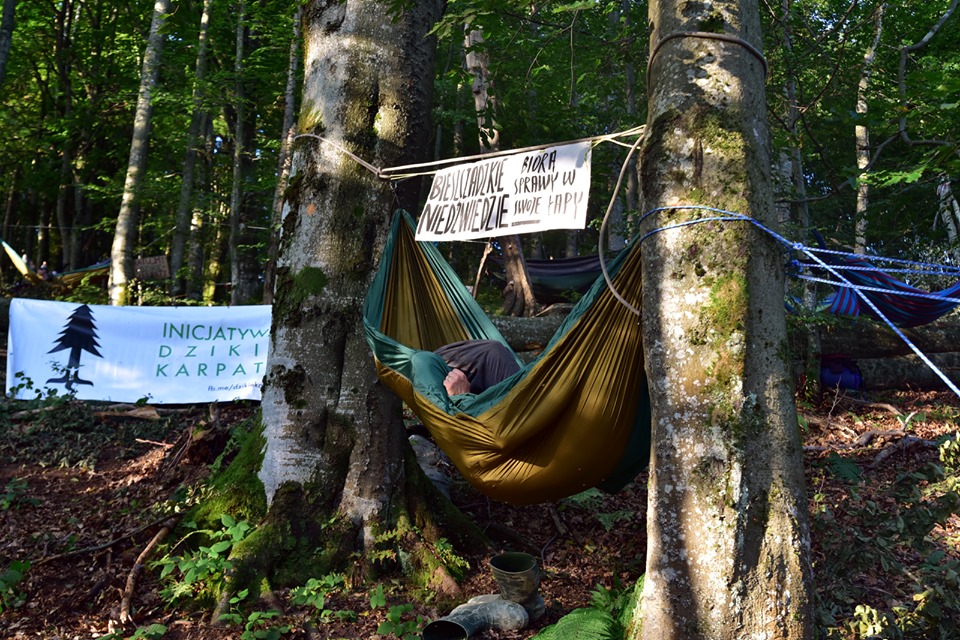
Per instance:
x=707, y=35
x=402, y=172
x=363, y=163
x=809, y=251
x=394, y=172
x=603, y=228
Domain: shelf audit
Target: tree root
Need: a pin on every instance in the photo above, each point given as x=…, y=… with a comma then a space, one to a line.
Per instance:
x=125, y=602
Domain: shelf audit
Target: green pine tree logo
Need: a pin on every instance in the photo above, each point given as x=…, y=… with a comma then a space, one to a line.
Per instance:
x=79, y=334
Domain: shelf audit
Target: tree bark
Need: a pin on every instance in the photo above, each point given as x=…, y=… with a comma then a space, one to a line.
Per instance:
x=728, y=540
x=518, y=294
x=283, y=163
x=335, y=439
x=124, y=239
x=244, y=268
x=183, y=228
x=862, y=135
x=7, y=25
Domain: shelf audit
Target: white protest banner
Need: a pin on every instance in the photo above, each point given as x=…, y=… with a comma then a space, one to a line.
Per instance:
x=520, y=193
x=123, y=354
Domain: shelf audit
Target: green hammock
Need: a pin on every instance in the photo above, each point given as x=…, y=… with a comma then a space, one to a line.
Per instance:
x=576, y=417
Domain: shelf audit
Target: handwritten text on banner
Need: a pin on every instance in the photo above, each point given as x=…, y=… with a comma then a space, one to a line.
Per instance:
x=520, y=193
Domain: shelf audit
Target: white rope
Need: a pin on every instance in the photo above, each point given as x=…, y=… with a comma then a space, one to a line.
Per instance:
x=402, y=172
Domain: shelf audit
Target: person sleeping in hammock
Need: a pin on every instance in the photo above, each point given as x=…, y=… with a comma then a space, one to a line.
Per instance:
x=476, y=365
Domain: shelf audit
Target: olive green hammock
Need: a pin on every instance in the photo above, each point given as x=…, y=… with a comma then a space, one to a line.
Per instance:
x=576, y=417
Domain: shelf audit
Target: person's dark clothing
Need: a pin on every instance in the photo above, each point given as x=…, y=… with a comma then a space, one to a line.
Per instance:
x=486, y=362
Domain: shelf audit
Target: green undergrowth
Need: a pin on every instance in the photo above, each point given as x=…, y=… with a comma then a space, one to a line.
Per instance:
x=607, y=618
x=57, y=430
x=884, y=571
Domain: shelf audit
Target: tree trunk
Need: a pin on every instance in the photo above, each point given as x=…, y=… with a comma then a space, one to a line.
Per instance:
x=728, y=542
x=181, y=233
x=862, y=135
x=283, y=163
x=7, y=24
x=243, y=270
x=801, y=208
x=334, y=437
x=199, y=229
x=949, y=213
x=124, y=239
x=518, y=299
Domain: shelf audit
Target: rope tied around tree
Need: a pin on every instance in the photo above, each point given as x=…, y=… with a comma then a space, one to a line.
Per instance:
x=707, y=35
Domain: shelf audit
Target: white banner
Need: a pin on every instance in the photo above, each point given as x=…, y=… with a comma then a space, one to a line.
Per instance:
x=123, y=354
x=520, y=193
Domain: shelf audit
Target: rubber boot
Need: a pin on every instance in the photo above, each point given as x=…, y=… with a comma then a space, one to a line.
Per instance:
x=518, y=576
x=478, y=614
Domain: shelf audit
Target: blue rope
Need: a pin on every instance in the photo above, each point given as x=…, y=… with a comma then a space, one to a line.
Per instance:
x=726, y=216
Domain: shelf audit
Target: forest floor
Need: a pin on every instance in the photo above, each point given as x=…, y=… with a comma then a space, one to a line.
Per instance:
x=85, y=488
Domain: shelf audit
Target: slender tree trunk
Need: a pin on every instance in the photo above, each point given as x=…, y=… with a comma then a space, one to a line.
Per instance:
x=518, y=296
x=124, y=239
x=7, y=25
x=10, y=203
x=862, y=134
x=949, y=212
x=728, y=543
x=185, y=215
x=237, y=186
x=81, y=219
x=801, y=210
x=199, y=232
x=62, y=55
x=283, y=163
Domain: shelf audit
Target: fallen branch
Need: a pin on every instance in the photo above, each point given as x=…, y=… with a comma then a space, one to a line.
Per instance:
x=165, y=445
x=30, y=413
x=131, y=585
x=901, y=445
x=874, y=405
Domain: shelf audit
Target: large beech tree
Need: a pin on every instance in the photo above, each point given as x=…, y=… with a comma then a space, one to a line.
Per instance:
x=334, y=438
x=728, y=542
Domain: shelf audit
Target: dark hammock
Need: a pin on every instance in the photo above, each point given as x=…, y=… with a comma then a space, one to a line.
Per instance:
x=554, y=280
x=901, y=303
x=576, y=417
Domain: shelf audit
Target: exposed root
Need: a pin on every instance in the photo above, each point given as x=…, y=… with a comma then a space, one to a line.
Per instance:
x=125, y=602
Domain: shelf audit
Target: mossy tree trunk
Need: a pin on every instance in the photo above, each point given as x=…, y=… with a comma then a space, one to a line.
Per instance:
x=728, y=541
x=335, y=471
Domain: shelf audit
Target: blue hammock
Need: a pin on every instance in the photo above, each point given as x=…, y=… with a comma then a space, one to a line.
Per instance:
x=902, y=304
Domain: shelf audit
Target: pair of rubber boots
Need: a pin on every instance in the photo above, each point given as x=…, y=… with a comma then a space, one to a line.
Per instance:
x=518, y=603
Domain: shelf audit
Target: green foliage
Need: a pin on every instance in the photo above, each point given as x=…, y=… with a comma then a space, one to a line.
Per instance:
x=256, y=623
x=605, y=619
x=592, y=500
x=15, y=494
x=315, y=593
x=844, y=468
x=10, y=595
x=67, y=433
x=873, y=539
x=152, y=632
x=199, y=575
x=950, y=454
x=397, y=623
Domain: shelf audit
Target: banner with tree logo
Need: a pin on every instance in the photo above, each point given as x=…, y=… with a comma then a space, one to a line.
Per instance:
x=125, y=354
